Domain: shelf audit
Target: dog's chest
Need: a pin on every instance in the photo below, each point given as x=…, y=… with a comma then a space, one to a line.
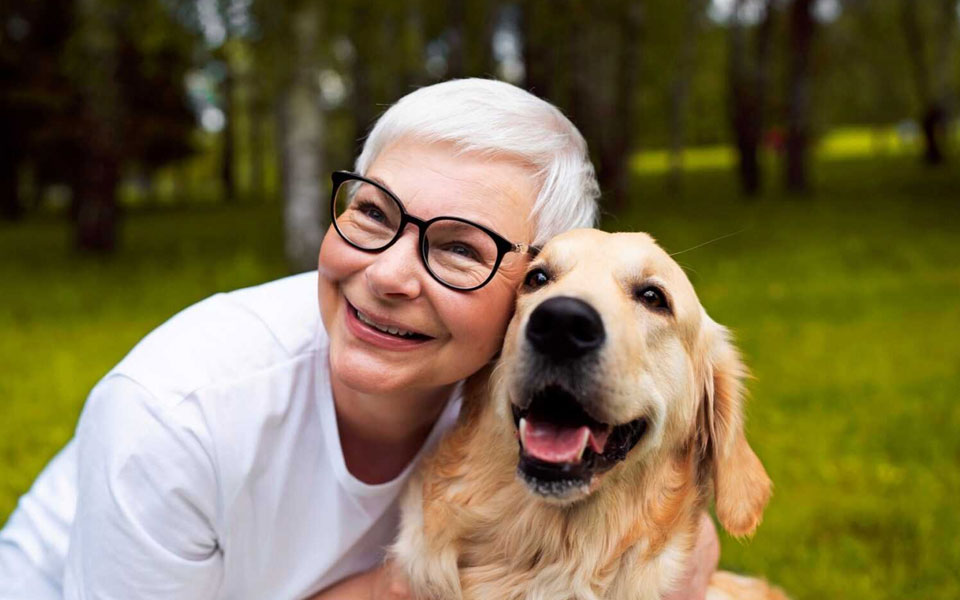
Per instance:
x=633, y=575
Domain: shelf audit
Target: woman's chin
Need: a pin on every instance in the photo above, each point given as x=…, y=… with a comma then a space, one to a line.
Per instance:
x=367, y=376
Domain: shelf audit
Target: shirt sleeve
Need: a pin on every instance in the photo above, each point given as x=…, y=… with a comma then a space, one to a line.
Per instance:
x=145, y=525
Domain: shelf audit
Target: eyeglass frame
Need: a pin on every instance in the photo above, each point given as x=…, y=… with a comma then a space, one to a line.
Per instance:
x=504, y=245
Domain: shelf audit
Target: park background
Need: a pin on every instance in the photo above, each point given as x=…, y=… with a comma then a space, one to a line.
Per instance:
x=801, y=154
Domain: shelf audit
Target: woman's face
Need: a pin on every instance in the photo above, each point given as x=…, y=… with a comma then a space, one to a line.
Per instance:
x=392, y=288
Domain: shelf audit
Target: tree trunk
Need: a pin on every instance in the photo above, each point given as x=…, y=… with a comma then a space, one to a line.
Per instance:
x=748, y=85
x=456, y=62
x=488, y=64
x=227, y=136
x=576, y=56
x=616, y=149
x=96, y=204
x=303, y=130
x=537, y=51
x=257, y=121
x=934, y=90
x=362, y=97
x=680, y=89
x=96, y=188
x=799, y=96
x=10, y=207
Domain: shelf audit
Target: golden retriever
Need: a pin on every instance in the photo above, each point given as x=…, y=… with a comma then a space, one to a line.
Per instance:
x=582, y=461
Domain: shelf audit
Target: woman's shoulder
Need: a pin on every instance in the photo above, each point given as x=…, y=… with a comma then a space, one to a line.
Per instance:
x=228, y=336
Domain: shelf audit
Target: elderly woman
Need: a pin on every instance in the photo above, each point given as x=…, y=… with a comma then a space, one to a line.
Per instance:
x=255, y=447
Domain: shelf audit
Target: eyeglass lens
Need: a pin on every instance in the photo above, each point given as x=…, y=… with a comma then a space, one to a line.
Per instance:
x=457, y=253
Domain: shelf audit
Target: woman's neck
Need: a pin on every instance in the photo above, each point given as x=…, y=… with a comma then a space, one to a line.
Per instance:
x=381, y=434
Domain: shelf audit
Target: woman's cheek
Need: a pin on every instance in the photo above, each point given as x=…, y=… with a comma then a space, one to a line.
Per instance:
x=490, y=318
x=336, y=263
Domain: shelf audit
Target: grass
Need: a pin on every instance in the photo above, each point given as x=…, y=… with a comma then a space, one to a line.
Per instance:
x=838, y=144
x=67, y=319
x=844, y=303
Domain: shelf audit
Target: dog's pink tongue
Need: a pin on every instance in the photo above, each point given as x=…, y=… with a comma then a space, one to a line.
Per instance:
x=552, y=443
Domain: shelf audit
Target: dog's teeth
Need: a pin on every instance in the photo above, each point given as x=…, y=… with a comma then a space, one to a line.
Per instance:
x=523, y=432
x=584, y=439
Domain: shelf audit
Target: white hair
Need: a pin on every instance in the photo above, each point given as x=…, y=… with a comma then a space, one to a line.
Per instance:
x=493, y=117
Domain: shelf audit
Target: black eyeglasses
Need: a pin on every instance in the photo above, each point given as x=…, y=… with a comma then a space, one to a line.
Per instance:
x=459, y=254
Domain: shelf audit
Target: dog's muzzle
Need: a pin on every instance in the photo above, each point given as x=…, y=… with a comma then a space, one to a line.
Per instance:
x=564, y=440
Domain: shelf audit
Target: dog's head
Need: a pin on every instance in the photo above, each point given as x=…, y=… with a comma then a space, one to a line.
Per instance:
x=610, y=364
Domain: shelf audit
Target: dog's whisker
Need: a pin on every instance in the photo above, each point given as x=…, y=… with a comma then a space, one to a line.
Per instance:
x=687, y=268
x=717, y=239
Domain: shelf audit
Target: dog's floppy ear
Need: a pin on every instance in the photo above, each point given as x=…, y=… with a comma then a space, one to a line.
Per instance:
x=741, y=485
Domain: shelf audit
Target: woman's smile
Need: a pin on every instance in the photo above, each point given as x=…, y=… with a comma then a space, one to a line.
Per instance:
x=381, y=332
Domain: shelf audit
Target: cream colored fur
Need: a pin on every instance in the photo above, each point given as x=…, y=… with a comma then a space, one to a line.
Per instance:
x=471, y=528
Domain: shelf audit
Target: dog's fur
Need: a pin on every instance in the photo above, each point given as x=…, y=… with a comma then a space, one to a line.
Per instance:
x=473, y=529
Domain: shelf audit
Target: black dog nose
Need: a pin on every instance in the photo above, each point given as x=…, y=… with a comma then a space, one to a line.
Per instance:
x=564, y=328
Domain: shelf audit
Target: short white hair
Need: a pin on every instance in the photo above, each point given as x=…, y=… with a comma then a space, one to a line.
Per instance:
x=493, y=117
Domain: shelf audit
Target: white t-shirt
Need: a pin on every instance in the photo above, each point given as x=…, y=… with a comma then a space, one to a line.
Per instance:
x=207, y=464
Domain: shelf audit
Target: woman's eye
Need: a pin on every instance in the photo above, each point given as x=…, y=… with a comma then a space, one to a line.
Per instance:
x=652, y=297
x=462, y=250
x=372, y=211
x=536, y=278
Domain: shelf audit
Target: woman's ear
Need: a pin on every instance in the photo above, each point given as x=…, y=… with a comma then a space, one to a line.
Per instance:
x=740, y=483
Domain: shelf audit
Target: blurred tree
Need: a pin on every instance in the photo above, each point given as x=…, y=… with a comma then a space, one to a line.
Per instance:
x=231, y=16
x=258, y=113
x=799, y=94
x=539, y=48
x=128, y=64
x=693, y=14
x=619, y=137
x=93, y=87
x=94, y=68
x=34, y=94
x=363, y=39
x=749, y=75
x=228, y=133
x=156, y=53
x=302, y=131
x=867, y=87
x=456, y=64
x=593, y=74
x=937, y=26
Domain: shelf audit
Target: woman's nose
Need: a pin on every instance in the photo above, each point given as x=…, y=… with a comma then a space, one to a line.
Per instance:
x=397, y=271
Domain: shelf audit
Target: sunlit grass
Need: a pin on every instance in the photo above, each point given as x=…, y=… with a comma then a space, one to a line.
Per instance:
x=65, y=319
x=839, y=144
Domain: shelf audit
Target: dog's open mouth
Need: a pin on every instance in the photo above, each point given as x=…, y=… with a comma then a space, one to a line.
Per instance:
x=562, y=447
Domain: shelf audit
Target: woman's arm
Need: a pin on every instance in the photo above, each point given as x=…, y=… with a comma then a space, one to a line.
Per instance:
x=382, y=583
x=146, y=501
x=706, y=554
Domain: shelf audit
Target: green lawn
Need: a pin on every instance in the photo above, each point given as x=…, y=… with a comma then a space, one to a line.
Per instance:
x=846, y=304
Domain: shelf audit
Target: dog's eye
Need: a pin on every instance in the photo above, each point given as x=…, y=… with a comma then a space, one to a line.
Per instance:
x=652, y=297
x=536, y=278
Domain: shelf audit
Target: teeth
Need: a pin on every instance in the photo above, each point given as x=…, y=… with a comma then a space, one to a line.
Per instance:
x=523, y=432
x=583, y=444
x=391, y=330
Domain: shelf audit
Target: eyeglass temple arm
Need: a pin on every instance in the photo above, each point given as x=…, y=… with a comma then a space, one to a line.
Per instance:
x=525, y=249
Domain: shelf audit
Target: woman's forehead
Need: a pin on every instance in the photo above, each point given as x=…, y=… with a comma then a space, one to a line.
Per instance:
x=433, y=180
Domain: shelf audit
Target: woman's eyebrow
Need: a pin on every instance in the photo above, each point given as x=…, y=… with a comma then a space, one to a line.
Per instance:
x=378, y=180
